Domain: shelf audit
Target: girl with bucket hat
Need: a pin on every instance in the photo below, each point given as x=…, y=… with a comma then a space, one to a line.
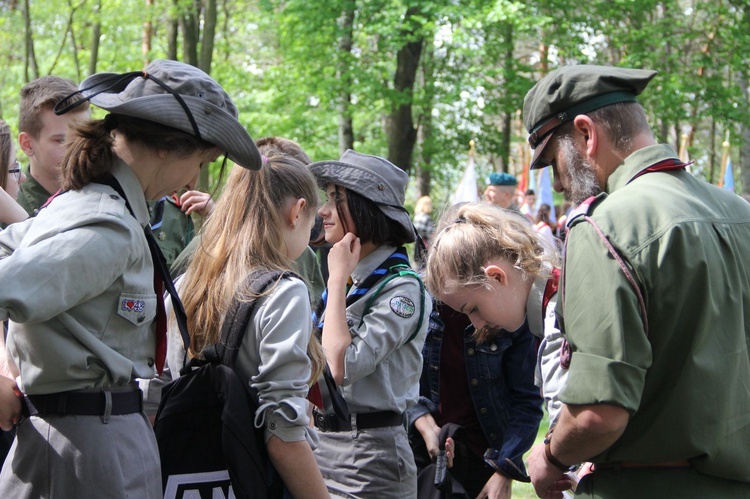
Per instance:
x=373, y=326
x=78, y=284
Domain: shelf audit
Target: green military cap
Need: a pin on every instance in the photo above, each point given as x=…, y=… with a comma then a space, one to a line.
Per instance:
x=572, y=90
x=501, y=178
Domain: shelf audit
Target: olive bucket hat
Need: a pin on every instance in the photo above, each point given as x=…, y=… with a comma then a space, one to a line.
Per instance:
x=373, y=178
x=573, y=90
x=173, y=94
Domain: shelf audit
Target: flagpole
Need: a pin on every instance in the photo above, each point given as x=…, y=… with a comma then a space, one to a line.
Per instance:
x=724, y=158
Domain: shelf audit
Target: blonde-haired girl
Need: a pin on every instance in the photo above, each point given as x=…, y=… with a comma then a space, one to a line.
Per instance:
x=262, y=221
x=491, y=264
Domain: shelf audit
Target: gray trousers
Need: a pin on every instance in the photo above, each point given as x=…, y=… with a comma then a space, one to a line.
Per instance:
x=79, y=456
x=373, y=463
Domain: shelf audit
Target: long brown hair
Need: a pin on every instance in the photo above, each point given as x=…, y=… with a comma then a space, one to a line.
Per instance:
x=5, y=145
x=245, y=233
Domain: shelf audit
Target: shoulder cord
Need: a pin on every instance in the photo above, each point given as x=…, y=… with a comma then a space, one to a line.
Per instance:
x=612, y=251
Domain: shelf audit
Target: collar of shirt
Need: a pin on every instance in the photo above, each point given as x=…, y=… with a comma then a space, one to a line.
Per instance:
x=371, y=262
x=133, y=190
x=639, y=160
x=534, y=312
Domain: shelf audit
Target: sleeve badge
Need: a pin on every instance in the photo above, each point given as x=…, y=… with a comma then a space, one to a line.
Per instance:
x=402, y=306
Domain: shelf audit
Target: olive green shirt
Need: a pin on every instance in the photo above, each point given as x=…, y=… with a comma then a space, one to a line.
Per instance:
x=31, y=194
x=172, y=228
x=686, y=383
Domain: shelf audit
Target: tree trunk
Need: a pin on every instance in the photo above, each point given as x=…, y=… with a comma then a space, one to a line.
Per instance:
x=400, y=130
x=173, y=28
x=29, y=60
x=189, y=22
x=744, y=159
x=96, y=34
x=207, y=39
x=507, y=115
x=148, y=31
x=346, y=127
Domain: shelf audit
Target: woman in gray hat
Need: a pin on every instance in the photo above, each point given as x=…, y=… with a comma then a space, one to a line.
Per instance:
x=78, y=284
x=374, y=324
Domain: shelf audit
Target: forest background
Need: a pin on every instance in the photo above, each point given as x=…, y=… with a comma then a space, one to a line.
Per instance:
x=413, y=80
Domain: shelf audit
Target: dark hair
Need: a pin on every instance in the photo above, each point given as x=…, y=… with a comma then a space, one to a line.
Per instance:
x=90, y=155
x=529, y=192
x=371, y=223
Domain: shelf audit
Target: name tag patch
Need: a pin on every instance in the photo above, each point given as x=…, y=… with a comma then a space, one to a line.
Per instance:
x=129, y=305
x=402, y=306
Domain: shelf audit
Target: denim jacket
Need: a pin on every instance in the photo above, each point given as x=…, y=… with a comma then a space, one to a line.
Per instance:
x=501, y=382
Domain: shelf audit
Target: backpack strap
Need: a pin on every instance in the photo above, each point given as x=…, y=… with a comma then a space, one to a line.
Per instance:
x=238, y=317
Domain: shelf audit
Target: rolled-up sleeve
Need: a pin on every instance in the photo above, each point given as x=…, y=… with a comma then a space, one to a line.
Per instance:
x=283, y=325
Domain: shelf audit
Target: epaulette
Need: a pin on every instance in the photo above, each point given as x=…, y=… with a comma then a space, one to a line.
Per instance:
x=584, y=209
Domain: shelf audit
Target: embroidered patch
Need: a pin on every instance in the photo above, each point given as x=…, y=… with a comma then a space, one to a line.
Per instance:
x=402, y=306
x=133, y=305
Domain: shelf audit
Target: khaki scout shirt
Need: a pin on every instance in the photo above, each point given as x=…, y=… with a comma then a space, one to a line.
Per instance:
x=77, y=282
x=686, y=383
x=31, y=195
x=381, y=372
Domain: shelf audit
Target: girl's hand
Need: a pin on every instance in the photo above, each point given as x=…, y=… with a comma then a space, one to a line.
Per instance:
x=497, y=487
x=10, y=404
x=342, y=259
x=196, y=202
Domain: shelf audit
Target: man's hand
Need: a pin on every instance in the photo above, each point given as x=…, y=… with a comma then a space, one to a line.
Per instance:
x=548, y=481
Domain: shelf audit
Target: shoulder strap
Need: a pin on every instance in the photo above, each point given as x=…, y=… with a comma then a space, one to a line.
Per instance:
x=583, y=212
x=399, y=270
x=238, y=317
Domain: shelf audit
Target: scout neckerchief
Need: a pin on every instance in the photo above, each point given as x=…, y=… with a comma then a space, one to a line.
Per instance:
x=583, y=210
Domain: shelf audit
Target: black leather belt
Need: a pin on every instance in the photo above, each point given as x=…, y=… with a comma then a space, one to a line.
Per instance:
x=87, y=402
x=365, y=420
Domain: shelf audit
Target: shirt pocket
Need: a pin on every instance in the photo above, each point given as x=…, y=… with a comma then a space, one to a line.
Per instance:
x=137, y=309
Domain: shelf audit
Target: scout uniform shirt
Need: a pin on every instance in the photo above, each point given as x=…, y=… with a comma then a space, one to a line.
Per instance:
x=685, y=384
x=31, y=195
x=381, y=373
x=77, y=282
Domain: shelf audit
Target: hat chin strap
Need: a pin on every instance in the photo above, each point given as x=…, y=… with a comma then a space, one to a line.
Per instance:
x=114, y=81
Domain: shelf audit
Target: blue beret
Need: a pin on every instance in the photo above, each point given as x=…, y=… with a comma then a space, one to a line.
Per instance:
x=501, y=178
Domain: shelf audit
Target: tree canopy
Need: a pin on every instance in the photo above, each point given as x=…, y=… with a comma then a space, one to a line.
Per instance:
x=413, y=80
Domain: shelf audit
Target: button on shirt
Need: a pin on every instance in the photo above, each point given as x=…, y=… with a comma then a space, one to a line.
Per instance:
x=77, y=284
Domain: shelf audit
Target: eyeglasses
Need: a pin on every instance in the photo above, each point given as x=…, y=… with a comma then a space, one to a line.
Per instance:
x=17, y=170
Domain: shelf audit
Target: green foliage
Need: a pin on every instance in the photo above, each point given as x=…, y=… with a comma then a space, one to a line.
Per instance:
x=282, y=63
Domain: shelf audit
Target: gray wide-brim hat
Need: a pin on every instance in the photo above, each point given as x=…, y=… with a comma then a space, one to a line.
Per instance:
x=140, y=95
x=573, y=90
x=373, y=178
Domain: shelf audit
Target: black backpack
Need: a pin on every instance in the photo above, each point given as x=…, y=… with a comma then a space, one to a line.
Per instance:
x=204, y=426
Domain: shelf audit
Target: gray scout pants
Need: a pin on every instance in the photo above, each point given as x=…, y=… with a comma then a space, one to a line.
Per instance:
x=372, y=463
x=79, y=456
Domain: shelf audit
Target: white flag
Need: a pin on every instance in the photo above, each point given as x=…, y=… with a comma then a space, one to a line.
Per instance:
x=466, y=192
